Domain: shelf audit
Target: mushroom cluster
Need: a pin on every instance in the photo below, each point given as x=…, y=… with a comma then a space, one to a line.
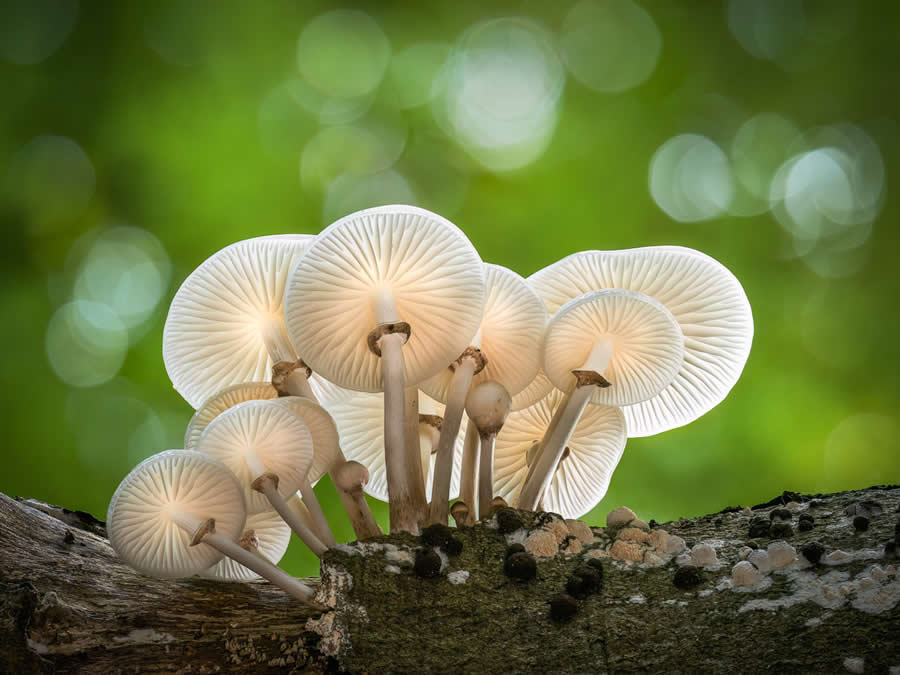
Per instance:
x=384, y=353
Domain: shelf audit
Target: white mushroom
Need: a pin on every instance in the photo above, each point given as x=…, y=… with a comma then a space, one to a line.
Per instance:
x=351, y=479
x=270, y=451
x=226, y=324
x=487, y=407
x=506, y=350
x=704, y=297
x=222, y=401
x=612, y=347
x=383, y=299
x=178, y=513
x=581, y=478
x=265, y=535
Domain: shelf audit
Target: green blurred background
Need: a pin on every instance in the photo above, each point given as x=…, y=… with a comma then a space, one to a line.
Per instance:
x=139, y=139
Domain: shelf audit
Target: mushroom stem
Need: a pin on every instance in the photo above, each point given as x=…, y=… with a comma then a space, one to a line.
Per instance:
x=416, y=470
x=274, y=335
x=400, y=500
x=349, y=478
x=267, y=483
x=443, y=462
x=318, y=516
x=486, y=475
x=257, y=563
x=534, y=452
x=562, y=425
x=469, y=470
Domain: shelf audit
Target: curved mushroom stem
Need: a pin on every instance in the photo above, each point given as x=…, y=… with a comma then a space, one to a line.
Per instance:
x=486, y=475
x=469, y=470
x=535, y=451
x=416, y=470
x=563, y=424
x=204, y=531
x=350, y=477
x=267, y=483
x=443, y=462
x=353, y=498
x=318, y=516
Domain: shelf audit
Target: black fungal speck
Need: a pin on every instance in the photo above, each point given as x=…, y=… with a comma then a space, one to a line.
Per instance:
x=687, y=577
x=751, y=544
x=520, y=566
x=897, y=529
x=69, y=538
x=562, y=607
x=596, y=564
x=781, y=531
x=814, y=504
x=890, y=550
x=759, y=527
x=652, y=523
x=717, y=522
x=813, y=551
x=427, y=564
x=508, y=520
x=577, y=586
x=452, y=547
x=861, y=523
x=592, y=576
x=806, y=516
x=514, y=548
x=437, y=534
x=805, y=525
x=780, y=514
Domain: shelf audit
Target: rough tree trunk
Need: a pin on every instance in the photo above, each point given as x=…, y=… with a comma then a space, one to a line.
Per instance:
x=67, y=604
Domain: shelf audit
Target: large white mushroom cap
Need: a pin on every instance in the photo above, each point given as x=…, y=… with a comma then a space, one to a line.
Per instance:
x=582, y=476
x=704, y=297
x=214, y=333
x=646, y=342
x=322, y=429
x=271, y=536
x=537, y=389
x=427, y=265
x=218, y=403
x=140, y=521
x=259, y=437
x=511, y=332
x=360, y=420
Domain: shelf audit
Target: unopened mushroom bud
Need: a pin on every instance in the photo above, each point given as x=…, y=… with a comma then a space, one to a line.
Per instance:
x=498, y=503
x=350, y=478
x=460, y=513
x=178, y=513
x=487, y=406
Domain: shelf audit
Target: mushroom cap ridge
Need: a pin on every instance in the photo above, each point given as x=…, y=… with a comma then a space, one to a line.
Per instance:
x=139, y=524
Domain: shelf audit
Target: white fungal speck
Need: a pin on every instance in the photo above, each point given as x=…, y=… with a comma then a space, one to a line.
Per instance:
x=458, y=577
x=398, y=555
x=855, y=664
x=516, y=536
x=145, y=636
x=745, y=574
x=704, y=593
x=781, y=553
x=393, y=569
x=637, y=599
x=760, y=559
x=704, y=555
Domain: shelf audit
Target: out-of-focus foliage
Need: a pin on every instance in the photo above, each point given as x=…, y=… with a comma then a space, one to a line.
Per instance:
x=137, y=139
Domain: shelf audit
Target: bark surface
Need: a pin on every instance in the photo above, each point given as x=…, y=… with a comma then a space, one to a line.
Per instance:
x=68, y=605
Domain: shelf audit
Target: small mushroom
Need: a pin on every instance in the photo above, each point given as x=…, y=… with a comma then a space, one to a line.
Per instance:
x=407, y=289
x=178, y=513
x=226, y=323
x=612, y=347
x=460, y=513
x=487, y=407
x=270, y=451
x=350, y=478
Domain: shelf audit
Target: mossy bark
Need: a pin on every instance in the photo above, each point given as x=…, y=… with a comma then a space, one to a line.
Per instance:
x=68, y=605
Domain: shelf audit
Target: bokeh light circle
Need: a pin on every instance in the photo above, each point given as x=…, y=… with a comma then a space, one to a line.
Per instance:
x=610, y=46
x=690, y=178
x=351, y=192
x=86, y=343
x=343, y=53
x=414, y=77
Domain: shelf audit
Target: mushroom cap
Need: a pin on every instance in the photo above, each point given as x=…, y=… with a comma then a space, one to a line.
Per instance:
x=222, y=401
x=487, y=406
x=512, y=330
x=582, y=477
x=360, y=420
x=704, y=297
x=428, y=265
x=322, y=429
x=272, y=535
x=648, y=346
x=264, y=433
x=539, y=387
x=139, y=520
x=212, y=338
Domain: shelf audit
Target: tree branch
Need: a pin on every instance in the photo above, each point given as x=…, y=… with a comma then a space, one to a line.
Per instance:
x=67, y=604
